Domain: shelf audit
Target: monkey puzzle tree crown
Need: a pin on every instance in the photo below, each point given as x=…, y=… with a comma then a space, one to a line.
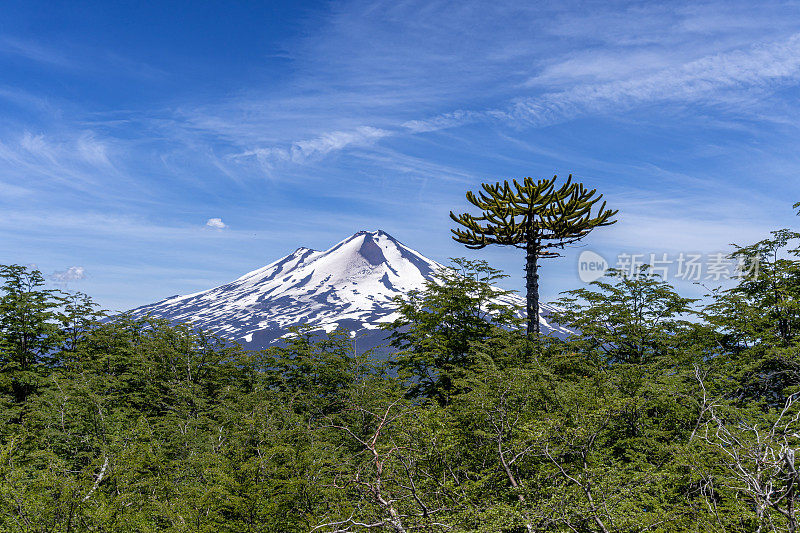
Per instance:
x=531, y=211
x=533, y=215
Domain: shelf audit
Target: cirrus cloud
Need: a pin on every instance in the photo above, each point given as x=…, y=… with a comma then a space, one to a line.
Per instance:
x=73, y=273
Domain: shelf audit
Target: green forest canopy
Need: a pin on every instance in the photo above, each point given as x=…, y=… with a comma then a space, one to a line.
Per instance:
x=642, y=421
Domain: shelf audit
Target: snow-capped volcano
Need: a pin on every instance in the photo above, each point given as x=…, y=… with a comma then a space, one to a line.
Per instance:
x=349, y=286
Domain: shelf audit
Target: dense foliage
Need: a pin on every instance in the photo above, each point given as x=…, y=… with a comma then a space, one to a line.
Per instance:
x=660, y=414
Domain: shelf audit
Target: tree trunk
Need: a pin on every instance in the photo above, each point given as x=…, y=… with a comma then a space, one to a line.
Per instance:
x=532, y=286
x=520, y=496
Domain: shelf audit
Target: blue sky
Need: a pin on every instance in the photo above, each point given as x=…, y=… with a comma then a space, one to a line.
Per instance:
x=127, y=126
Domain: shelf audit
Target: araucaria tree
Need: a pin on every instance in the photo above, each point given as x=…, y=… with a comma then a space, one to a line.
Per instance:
x=536, y=216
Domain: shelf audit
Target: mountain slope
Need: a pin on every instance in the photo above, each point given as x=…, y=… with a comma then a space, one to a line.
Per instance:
x=351, y=286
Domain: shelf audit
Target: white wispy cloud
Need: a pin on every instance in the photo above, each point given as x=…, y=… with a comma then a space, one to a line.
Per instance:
x=92, y=150
x=74, y=160
x=73, y=57
x=73, y=273
x=81, y=148
x=36, y=145
x=27, y=100
x=34, y=51
x=371, y=72
x=310, y=149
x=701, y=81
x=444, y=121
x=602, y=83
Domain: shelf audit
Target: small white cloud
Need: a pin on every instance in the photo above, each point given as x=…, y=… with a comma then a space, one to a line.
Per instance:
x=73, y=273
x=216, y=223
